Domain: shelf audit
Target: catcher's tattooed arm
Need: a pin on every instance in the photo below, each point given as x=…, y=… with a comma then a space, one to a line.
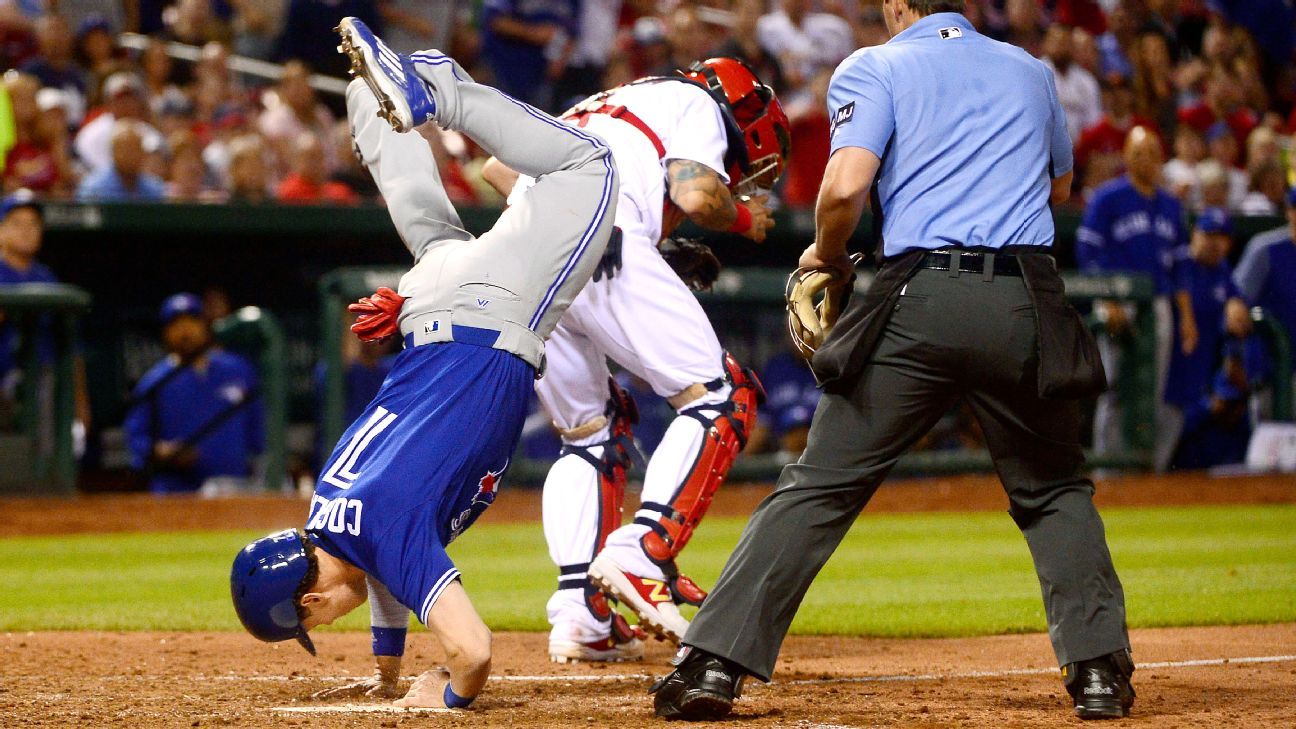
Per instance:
x=703, y=196
x=842, y=198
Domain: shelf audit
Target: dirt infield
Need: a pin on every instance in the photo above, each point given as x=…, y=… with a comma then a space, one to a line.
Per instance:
x=226, y=679
x=133, y=513
x=1238, y=677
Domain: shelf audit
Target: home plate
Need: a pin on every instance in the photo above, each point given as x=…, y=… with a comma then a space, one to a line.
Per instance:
x=360, y=709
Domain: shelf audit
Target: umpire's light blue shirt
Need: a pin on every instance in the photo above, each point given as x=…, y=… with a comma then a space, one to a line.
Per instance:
x=970, y=132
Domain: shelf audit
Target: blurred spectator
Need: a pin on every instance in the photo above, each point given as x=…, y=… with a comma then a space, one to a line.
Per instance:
x=804, y=42
x=293, y=109
x=196, y=415
x=583, y=74
x=17, y=40
x=1266, y=186
x=256, y=26
x=1261, y=144
x=124, y=100
x=1181, y=171
x=1223, y=148
x=1114, y=45
x=195, y=23
x=1207, y=307
x=38, y=160
x=308, y=32
x=1223, y=101
x=96, y=52
x=187, y=179
x=144, y=16
x=158, y=72
x=650, y=52
x=1131, y=225
x=1266, y=275
x=1076, y=87
x=1214, y=185
x=810, y=129
x=1098, y=153
x=689, y=37
x=56, y=67
x=308, y=182
x=350, y=173
x=1154, y=89
x=417, y=25
x=21, y=233
x=791, y=398
x=1025, y=24
x=125, y=179
x=249, y=173
x=520, y=38
x=743, y=42
x=1217, y=425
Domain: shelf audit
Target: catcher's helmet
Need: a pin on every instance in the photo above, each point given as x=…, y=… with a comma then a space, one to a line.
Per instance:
x=264, y=583
x=759, y=133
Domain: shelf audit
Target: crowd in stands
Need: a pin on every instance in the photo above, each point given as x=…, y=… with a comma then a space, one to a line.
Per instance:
x=83, y=116
x=1178, y=109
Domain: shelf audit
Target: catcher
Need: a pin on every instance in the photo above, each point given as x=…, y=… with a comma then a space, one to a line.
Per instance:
x=704, y=145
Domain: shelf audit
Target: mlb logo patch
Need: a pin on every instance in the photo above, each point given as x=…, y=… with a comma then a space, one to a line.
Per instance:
x=843, y=115
x=947, y=33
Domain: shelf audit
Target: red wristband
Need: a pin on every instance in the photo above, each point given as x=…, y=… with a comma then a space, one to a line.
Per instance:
x=743, y=223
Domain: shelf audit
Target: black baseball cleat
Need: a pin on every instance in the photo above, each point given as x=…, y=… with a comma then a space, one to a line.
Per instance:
x=701, y=688
x=1101, y=686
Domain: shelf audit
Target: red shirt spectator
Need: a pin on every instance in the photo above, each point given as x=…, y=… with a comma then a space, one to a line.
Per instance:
x=297, y=189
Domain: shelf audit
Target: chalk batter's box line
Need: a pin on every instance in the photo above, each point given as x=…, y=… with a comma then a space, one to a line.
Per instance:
x=894, y=678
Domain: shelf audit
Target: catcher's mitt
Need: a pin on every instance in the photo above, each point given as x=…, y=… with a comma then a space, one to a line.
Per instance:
x=809, y=321
x=692, y=260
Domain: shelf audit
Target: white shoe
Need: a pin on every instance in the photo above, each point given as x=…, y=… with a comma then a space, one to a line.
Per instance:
x=650, y=599
x=606, y=650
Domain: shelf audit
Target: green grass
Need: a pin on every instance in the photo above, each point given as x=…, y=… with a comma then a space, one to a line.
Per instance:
x=895, y=575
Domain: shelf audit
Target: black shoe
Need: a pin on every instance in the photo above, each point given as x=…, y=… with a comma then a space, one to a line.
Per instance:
x=1101, y=686
x=701, y=688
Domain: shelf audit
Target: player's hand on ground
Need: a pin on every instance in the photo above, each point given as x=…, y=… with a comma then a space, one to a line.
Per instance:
x=383, y=684
x=377, y=315
x=840, y=263
x=428, y=690
x=762, y=216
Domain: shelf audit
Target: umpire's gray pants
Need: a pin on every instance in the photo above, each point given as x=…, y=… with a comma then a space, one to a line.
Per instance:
x=948, y=338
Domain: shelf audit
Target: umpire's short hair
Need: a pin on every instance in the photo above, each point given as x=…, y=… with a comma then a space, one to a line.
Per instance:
x=927, y=7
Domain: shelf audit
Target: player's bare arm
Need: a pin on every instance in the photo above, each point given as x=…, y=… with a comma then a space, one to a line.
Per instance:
x=499, y=176
x=467, y=644
x=700, y=193
x=841, y=202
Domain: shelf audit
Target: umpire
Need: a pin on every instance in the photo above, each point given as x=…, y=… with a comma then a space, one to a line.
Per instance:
x=967, y=143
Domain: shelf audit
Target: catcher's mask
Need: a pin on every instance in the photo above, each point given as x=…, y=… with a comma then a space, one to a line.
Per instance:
x=758, y=130
x=267, y=580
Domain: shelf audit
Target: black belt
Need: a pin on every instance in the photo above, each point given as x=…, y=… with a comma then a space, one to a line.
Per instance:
x=1004, y=264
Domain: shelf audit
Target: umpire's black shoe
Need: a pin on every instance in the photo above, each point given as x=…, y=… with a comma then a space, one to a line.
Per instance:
x=1101, y=686
x=701, y=688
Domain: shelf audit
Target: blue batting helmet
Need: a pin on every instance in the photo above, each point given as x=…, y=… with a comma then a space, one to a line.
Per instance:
x=264, y=583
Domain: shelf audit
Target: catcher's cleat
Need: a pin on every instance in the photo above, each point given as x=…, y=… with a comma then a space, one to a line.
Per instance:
x=404, y=99
x=1101, y=687
x=650, y=599
x=608, y=650
x=701, y=688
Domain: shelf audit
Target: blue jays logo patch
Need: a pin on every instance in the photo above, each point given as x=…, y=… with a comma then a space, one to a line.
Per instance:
x=843, y=115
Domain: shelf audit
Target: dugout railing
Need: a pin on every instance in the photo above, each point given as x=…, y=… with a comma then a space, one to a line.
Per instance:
x=747, y=306
x=37, y=454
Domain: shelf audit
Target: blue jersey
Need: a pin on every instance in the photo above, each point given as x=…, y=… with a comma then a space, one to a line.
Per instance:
x=9, y=339
x=791, y=393
x=1209, y=288
x=1266, y=276
x=969, y=131
x=418, y=467
x=174, y=406
x=520, y=66
x=1125, y=232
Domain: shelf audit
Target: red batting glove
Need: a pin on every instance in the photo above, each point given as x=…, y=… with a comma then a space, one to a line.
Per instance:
x=376, y=315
